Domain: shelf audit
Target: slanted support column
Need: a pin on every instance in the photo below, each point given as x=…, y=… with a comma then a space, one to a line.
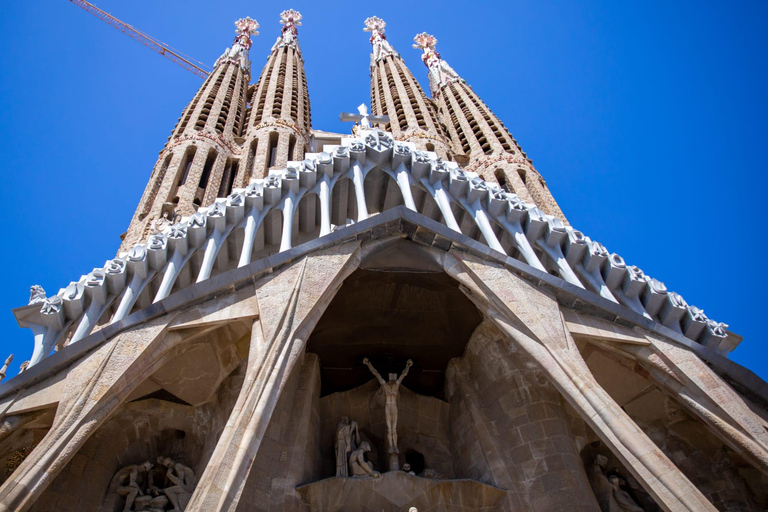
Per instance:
x=290, y=305
x=93, y=392
x=532, y=321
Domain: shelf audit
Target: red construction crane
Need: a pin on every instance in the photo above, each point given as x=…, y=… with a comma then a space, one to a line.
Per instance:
x=163, y=49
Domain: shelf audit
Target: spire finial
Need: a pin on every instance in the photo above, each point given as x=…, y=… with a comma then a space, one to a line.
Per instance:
x=440, y=73
x=238, y=54
x=290, y=19
x=244, y=28
x=381, y=47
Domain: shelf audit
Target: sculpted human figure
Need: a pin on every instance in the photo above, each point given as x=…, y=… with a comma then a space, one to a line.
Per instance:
x=622, y=497
x=358, y=464
x=347, y=439
x=131, y=489
x=4, y=369
x=184, y=481
x=391, y=390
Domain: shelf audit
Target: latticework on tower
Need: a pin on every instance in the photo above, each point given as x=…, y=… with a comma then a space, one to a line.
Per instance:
x=200, y=160
x=396, y=93
x=279, y=119
x=479, y=139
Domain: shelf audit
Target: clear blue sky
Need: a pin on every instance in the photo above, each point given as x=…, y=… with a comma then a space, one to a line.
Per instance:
x=648, y=120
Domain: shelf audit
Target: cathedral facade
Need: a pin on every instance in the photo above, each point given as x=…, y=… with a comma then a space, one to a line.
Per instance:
x=397, y=319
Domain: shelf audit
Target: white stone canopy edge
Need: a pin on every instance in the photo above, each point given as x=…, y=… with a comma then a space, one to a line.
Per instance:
x=193, y=247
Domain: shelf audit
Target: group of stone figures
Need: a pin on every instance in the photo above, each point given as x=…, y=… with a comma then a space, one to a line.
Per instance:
x=156, y=487
x=350, y=452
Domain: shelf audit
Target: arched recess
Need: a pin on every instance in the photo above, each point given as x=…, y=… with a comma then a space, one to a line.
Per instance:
x=343, y=203
x=472, y=406
x=689, y=443
x=19, y=434
x=178, y=412
x=381, y=192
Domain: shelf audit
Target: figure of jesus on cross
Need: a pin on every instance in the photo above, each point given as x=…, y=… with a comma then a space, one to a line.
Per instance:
x=391, y=393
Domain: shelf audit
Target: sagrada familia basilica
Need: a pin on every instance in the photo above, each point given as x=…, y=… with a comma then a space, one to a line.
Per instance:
x=396, y=319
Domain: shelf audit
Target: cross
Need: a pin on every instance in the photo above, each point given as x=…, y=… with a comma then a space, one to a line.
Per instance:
x=363, y=117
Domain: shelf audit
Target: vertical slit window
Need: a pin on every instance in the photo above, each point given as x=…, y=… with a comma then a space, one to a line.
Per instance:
x=228, y=177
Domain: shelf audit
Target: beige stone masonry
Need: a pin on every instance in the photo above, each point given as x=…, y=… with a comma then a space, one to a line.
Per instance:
x=686, y=378
x=532, y=319
x=93, y=391
x=290, y=304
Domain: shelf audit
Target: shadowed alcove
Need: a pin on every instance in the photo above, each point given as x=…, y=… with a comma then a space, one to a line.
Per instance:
x=390, y=316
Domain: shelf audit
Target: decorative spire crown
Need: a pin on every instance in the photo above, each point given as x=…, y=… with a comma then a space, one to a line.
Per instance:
x=381, y=47
x=244, y=28
x=289, y=34
x=440, y=73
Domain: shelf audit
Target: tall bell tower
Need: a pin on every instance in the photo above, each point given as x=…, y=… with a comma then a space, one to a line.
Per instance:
x=199, y=162
x=479, y=139
x=395, y=93
x=280, y=120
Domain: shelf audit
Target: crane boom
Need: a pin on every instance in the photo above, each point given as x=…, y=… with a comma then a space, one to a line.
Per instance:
x=148, y=41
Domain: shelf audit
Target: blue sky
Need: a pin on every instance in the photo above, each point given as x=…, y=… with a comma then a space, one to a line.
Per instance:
x=647, y=119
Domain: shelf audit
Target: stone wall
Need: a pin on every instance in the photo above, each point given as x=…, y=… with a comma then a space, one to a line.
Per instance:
x=141, y=430
x=509, y=428
x=290, y=454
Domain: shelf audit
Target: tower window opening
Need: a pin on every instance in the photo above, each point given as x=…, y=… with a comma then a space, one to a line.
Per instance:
x=228, y=177
x=207, y=168
x=430, y=147
x=155, y=187
x=252, y=158
x=502, y=180
x=186, y=166
x=272, y=151
x=292, y=147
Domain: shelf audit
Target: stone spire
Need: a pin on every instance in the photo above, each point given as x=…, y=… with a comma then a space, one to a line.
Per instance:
x=198, y=163
x=279, y=123
x=479, y=139
x=395, y=93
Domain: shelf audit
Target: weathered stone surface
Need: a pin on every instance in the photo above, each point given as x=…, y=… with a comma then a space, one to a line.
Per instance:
x=530, y=318
x=396, y=491
x=290, y=304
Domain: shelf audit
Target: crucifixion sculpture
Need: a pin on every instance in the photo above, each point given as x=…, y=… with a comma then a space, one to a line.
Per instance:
x=391, y=390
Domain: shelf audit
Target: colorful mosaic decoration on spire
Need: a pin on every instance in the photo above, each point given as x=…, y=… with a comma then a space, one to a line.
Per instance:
x=245, y=27
x=290, y=19
x=381, y=47
x=440, y=73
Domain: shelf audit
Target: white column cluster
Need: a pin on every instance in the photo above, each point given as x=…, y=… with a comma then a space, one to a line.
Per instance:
x=202, y=244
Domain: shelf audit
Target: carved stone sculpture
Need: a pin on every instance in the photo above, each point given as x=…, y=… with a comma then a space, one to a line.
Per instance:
x=347, y=440
x=154, y=488
x=128, y=484
x=623, y=499
x=4, y=369
x=610, y=496
x=391, y=390
x=36, y=294
x=358, y=465
x=184, y=481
